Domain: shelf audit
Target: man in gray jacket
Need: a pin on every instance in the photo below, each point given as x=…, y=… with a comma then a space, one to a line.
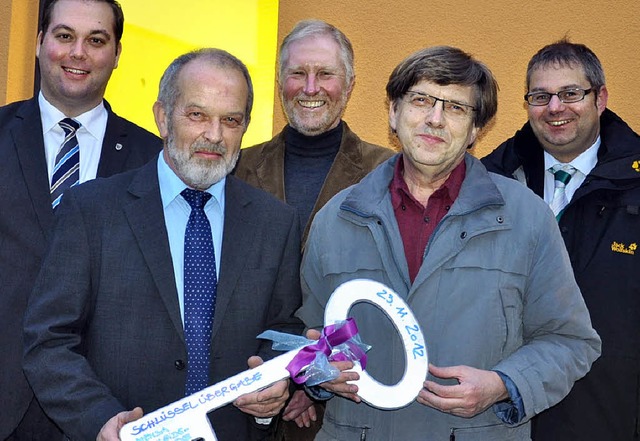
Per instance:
x=478, y=258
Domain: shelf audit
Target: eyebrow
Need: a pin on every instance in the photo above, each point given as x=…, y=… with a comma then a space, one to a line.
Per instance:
x=417, y=92
x=64, y=27
x=333, y=68
x=193, y=105
x=565, y=87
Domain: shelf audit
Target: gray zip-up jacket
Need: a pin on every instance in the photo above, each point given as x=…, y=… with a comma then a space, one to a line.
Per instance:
x=495, y=291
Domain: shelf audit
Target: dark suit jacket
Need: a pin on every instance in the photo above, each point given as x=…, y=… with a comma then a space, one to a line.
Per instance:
x=26, y=219
x=263, y=167
x=103, y=331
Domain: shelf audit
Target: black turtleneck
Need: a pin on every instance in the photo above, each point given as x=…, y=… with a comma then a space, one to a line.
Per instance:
x=307, y=161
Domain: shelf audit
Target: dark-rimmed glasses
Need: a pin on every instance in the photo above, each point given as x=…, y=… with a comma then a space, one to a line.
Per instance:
x=426, y=102
x=566, y=96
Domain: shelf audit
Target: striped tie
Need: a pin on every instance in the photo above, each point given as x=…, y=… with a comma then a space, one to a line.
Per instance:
x=66, y=172
x=562, y=175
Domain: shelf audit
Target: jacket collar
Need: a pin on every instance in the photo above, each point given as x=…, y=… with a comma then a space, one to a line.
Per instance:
x=477, y=191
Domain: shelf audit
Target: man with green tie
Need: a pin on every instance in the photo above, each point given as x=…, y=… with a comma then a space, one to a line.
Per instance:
x=584, y=161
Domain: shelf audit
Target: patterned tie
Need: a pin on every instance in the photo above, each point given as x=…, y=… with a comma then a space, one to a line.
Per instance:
x=66, y=172
x=200, y=284
x=562, y=174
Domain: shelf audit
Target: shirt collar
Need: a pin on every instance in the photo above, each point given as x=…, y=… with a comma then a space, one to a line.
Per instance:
x=450, y=189
x=584, y=162
x=93, y=121
x=171, y=185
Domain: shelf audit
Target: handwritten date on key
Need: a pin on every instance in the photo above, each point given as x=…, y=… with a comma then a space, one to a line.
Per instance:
x=186, y=419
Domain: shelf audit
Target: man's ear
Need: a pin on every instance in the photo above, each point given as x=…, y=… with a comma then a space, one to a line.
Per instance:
x=349, y=86
x=118, y=52
x=161, y=118
x=39, y=43
x=392, y=116
x=473, y=136
x=602, y=96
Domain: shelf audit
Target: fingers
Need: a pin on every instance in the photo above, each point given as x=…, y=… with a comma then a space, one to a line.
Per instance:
x=453, y=372
x=313, y=334
x=132, y=415
x=473, y=391
x=110, y=430
x=440, y=397
x=265, y=403
x=254, y=361
x=306, y=417
x=340, y=385
x=312, y=414
x=298, y=404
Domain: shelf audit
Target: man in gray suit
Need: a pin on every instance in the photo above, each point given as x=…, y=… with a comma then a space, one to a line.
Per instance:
x=106, y=329
x=78, y=47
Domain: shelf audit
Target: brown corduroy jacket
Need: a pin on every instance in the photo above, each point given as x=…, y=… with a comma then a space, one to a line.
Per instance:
x=263, y=166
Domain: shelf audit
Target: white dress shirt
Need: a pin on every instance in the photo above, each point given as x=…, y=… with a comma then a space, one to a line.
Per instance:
x=90, y=136
x=583, y=163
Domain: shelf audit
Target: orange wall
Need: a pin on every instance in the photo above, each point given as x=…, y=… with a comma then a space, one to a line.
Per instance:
x=18, y=29
x=502, y=33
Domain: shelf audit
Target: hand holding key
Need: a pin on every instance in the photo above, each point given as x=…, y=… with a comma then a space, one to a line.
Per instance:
x=186, y=419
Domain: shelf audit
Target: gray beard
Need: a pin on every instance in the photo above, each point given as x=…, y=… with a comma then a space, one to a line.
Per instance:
x=196, y=173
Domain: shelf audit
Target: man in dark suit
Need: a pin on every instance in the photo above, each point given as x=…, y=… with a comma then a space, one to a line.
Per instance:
x=78, y=47
x=107, y=325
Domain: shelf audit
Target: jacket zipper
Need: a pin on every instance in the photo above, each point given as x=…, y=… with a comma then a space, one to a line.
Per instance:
x=452, y=434
x=363, y=434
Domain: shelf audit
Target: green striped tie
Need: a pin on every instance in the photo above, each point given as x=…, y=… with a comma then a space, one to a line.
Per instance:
x=562, y=175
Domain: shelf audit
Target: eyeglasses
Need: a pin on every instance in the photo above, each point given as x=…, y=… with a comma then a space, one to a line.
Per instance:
x=566, y=96
x=426, y=102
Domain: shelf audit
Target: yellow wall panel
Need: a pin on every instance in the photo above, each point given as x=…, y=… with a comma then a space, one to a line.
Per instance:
x=157, y=31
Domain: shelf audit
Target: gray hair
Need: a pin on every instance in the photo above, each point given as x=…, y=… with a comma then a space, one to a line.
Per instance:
x=169, y=92
x=309, y=28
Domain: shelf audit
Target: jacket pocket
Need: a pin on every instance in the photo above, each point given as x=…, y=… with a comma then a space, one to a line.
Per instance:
x=512, y=308
x=491, y=432
x=355, y=261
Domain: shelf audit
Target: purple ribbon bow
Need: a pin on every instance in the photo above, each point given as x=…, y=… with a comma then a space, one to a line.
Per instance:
x=332, y=336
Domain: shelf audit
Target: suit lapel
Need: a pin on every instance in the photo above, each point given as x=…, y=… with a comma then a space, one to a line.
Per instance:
x=29, y=144
x=146, y=218
x=270, y=168
x=115, y=148
x=239, y=236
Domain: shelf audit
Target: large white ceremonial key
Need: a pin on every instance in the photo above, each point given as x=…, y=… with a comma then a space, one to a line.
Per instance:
x=416, y=362
x=186, y=419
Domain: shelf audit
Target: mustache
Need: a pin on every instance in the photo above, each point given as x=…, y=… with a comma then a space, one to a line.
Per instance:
x=304, y=96
x=432, y=132
x=208, y=147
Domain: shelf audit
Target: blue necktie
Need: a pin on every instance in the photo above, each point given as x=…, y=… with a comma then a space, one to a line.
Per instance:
x=66, y=171
x=200, y=284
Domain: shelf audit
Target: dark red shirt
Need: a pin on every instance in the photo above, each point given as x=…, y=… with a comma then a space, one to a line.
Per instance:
x=416, y=222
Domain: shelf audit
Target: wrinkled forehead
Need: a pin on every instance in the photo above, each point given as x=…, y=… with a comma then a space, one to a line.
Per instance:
x=313, y=50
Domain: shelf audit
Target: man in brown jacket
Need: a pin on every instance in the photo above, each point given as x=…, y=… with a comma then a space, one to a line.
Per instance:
x=316, y=155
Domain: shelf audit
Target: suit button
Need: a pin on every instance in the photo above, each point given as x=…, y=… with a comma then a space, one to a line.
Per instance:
x=179, y=364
